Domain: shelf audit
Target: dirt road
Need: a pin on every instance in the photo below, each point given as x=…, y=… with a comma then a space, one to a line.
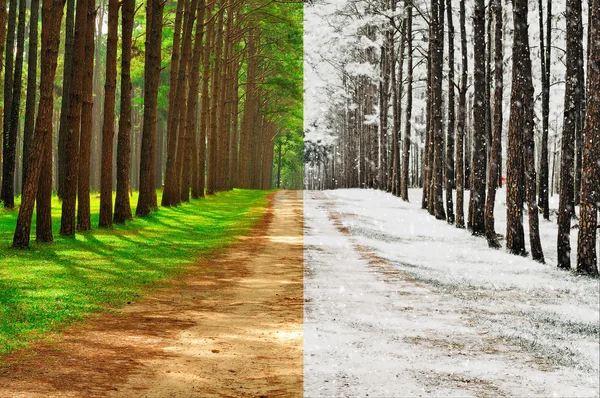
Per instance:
x=232, y=327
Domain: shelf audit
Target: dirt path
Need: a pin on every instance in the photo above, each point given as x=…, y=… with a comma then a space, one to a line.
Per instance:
x=232, y=327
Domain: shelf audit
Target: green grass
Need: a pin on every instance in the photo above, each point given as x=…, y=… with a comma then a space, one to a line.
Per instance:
x=47, y=287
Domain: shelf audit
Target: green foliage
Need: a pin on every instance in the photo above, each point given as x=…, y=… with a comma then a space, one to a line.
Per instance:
x=292, y=159
x=282, y=58
x=45, y=288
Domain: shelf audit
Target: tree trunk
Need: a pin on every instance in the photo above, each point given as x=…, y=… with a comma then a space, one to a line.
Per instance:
x=192, y=99
x=249, y=104
x=8, y=85
x=122, y=204
x=85, y=145
x=171, y=191
x=479, y=122
x=52, y=12
x=460, y=125
x=31, y=85
x=154, y=20
x=587, y=257
x=409, y=100
x=494, y=165
x=428, y=141
x=10, y=135
x=212, y=183
x=67, y=226
x=572, y=110
x=451, y=117
x=66, y=96
x=545, y=58
x=181, y=98
x=529, y=148
x=108, y=124
x=515, y=236
x=205, y=100
x=3, y=17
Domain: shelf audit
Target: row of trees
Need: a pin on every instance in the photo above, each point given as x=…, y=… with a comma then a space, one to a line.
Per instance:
x=399, y=52
x=227, y=90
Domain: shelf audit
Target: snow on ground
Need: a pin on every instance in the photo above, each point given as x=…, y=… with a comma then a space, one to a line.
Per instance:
x=401, y=304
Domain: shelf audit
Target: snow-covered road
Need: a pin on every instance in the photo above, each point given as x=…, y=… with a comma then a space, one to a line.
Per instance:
x=400, y=304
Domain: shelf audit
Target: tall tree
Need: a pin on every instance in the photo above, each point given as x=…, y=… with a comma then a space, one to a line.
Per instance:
x=545, y=52
x=31, y=84
x=205, y=99
x=494, y=165
x=451, y=117
x=572, y=111
x=181, y=100
x=67, y=221
x=122, y=205
x=436, y=82
x=10, y=137
x=66, y=90
x=192, y=108
x=479, y=121
x=515, y=235
x=3, y=17
x=108, y=125
x=460, y=125
x=52, y=11
x=85, y=138
x=170, y=194
x=212, y=174
x=529, y=145
x=409, y=100
x=152, y=64
x=587, y=257
x=8, y=83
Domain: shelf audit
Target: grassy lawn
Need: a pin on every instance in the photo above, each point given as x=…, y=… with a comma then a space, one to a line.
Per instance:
x=45, y=288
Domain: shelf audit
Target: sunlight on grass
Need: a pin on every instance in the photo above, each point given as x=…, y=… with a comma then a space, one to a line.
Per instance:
x=45, y=288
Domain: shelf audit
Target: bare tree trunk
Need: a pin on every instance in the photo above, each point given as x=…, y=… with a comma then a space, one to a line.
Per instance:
x=204, y=99
x=409, y=99
x=52, y=12
x=479, y=122
x=451, y=117
x=193, y=100
x=182, y=104
x=3, y=17
x=108, y=125
x=31, y=85
x=66, y=96
x=122, y=204
x=572, y=112
x=85, y=145
x=154, y=18
x=67, y=226
x=170, y=183
x=587, y=257
x=10, y=135
x=460, y=126
x=515, y=236
x=546, y=60
x=212, y=183
x=490, y=231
